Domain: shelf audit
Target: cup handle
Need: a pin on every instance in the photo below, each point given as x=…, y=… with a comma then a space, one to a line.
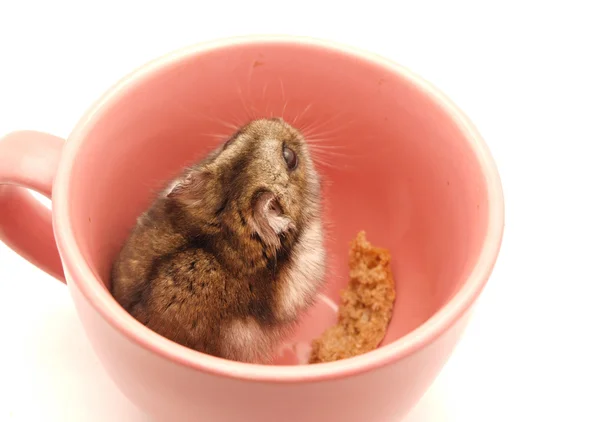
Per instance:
x=29, y=159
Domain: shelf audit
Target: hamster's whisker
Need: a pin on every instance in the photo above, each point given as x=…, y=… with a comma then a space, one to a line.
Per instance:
x=265, y=98
x=331, y=154
x=299, y=116
x=283, y=98
x=316, y=126
x=317, y=129
x=213, y=119
x=325, y=155
x=283, y=110
x=325, y=147
x=248, y=111
x=255, y=111
x=321, y=164
x=282, y=90
x=338, y=151
x=268, y=107
x=325, y=164
x=215, y=135
x=319, y=144
x=325, y=134
x=238, y=122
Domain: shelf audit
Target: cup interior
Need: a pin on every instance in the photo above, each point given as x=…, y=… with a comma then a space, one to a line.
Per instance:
x=393, y=161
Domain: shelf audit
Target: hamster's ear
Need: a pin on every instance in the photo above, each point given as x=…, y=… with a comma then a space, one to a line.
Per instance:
x=268, y=219
x=189, y=186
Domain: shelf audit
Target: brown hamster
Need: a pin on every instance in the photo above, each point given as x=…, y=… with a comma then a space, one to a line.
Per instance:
x=230, y=254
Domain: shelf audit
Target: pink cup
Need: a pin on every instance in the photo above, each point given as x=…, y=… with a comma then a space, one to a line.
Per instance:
x=400, y=161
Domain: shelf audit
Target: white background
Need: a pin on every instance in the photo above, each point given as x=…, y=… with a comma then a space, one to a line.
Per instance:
x=526, y=72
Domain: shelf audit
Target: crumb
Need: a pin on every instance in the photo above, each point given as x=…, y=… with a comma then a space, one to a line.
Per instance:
x=366, y=306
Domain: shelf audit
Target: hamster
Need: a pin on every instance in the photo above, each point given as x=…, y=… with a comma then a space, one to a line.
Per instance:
x=227, y=258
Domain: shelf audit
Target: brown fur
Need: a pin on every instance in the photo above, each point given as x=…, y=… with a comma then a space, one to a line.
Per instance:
x=203, y=266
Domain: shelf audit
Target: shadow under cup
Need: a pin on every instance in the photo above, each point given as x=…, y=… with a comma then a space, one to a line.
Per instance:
x=393, y=162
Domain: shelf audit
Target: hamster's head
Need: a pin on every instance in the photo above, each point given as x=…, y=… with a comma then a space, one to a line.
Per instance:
x=262, y=182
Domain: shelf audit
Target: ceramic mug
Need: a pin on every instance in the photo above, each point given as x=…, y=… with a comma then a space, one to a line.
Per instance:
x=399, y=161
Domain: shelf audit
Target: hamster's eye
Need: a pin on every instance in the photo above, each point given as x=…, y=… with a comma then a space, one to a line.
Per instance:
x=290, y=157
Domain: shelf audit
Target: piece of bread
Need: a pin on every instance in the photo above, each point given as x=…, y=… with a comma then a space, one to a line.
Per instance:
x=366, y=306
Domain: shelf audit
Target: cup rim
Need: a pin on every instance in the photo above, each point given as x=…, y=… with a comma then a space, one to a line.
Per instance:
x=101, y=300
